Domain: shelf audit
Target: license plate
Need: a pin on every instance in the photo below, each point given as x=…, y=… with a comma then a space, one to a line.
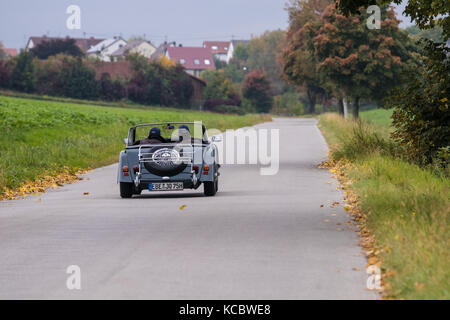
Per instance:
x=165, y=186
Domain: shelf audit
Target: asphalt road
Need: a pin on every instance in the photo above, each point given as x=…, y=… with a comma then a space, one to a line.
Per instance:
x=260, y=237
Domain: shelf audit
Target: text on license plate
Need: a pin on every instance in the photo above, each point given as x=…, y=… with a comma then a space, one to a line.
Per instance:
x=165, y=186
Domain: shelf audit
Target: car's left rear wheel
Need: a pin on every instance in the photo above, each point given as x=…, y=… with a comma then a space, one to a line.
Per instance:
x=126, y=189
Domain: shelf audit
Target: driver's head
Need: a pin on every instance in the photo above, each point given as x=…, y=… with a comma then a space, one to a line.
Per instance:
x=154, y=132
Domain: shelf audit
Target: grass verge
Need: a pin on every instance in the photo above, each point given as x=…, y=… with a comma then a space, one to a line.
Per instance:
x=402, y=209
x=46, y=138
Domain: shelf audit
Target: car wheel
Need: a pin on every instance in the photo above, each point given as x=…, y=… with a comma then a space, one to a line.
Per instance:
x=209, y=188
x=165, y=161
x=126, y=189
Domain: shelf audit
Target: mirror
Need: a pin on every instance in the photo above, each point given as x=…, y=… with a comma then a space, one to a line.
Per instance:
x=125, y=141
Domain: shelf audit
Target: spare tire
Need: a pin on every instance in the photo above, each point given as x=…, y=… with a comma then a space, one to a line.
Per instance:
x=164, y=161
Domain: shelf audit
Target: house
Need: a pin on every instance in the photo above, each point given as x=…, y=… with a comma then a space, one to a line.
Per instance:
x=104, y=49
x=194, y=59
x=233, y=45
x=161, y=51
x=83, y=43
x=141, y=47
x=218, y=48
x=10, y=52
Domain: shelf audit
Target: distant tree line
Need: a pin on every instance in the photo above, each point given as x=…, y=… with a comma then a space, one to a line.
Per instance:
x=67, y=74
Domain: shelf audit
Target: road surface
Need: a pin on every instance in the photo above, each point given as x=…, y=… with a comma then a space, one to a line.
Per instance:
x=260, y=237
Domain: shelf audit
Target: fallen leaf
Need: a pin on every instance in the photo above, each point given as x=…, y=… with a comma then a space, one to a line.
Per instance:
x=85, y=193
x=356, y=269
x=418, y=286
x=182, y=207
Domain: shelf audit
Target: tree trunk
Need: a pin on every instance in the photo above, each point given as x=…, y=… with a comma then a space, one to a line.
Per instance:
x=345, y=108
x=356, y=108
x=324, y=101
x=341, y=107
x=312, y=101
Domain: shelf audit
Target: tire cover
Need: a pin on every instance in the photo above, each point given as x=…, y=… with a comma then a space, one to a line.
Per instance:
x=164, y=161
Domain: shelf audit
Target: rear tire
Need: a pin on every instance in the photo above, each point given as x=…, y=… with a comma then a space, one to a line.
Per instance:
x=126, y=189
x=209, y=188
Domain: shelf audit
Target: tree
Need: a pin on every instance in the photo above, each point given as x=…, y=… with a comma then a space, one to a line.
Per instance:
x=75, y=79
x=421, y=109
x=426, y=13
x=109, y=89
x=299, y=64
x=257, y=90
x=2, y=52
x=156, y=82
x=5, y=74
x=361, y=63
x=262, y=54
x=52, y=47
x=434, y=34
x=218, y=85
x=22, y=76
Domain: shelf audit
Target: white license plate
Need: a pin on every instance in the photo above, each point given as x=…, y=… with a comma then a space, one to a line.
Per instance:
x=165, y=186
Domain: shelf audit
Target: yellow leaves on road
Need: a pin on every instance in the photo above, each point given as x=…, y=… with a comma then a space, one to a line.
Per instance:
x=66, y=176
x=367, y=240
x=182, y=207
x=85, y=193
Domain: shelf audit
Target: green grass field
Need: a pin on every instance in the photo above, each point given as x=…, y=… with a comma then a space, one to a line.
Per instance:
x=40, y=137
x=407, y=207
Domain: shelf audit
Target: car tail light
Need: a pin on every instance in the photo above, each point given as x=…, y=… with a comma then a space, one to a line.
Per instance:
x=205, y=169
x=195, y=167
x=135, y=169
x=125, y=170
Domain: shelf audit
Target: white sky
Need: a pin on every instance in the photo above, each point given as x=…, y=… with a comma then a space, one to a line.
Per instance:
x=184, y=21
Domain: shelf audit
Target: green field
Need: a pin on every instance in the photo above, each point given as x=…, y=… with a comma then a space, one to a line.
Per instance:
x=40, y=137
x=407, y=207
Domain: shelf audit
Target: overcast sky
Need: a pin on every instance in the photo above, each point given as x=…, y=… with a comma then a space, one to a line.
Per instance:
x=186, y=21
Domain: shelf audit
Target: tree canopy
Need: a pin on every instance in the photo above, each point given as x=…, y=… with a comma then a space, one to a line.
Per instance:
x=52, y=47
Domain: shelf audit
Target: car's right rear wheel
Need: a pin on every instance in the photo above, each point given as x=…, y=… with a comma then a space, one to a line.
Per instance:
x=210, y=187
x=126, y=189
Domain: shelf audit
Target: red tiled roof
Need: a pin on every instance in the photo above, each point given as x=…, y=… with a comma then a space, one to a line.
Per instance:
x=83, y=43
x=11, y=52
x=222, y=46
x=191, y=55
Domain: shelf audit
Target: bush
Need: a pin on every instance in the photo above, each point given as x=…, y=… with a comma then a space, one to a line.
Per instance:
x=155, y=83
x=219, y=86
x=76, y=80
x=421, y=115
x=55, y=46
x=5, y=74
x=257, y=89
x=213, y=103
x=22, y=76
x=288, y=104
x=110, y=90
x=228, y=109
x=356, y=139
